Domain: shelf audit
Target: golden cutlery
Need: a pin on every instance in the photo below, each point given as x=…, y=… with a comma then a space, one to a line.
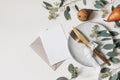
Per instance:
x=78, y=36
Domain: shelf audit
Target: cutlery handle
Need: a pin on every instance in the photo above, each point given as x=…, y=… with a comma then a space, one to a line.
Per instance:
x=85, y=41
x=102, y=57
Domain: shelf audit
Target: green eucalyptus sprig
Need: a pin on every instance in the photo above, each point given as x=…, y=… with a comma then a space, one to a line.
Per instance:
x=53, y=10
x=73, y=70
x=115, y=76
x=106, y=72
x=94, y=31
x=100, y=4
x=107, y=36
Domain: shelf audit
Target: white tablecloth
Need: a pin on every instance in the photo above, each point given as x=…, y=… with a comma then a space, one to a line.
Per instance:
x=20, y=23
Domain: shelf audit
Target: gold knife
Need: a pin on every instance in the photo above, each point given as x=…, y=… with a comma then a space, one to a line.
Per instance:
x=78, y=36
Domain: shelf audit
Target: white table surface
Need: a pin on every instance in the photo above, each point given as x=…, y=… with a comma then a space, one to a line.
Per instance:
x=20, y=23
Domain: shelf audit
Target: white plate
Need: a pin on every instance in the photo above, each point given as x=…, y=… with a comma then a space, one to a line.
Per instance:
x=76, y=49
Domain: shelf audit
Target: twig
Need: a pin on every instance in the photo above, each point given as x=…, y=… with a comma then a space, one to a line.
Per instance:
x=74, y=1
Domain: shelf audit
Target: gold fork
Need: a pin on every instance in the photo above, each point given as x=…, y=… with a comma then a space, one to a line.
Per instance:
x=77, y=36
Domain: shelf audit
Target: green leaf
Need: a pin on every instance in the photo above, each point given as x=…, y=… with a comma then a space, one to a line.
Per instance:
x=104, y=1
x=109, y=46
x=117, y=45
x=67, y=14
x=119, y=75
x=116, y=41
x=76, y=7
x=84, y=2
x=62, y=2
x=117, y=23
x=47, y=4
x=99, y=3
x=114, y=60
x=73, y=71
x=112, y=8
x=104, y=39
x=112, y=54
x=62, y=78
x=74, y=75
x=71, y=68
x=98, y=6
x=105, y=69
x=68, y=8
x=114, y=77
x=113, y=33
x=103, y=33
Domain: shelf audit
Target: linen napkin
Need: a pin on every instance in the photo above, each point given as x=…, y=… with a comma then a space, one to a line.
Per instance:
x=88, y=51
x=51, y=46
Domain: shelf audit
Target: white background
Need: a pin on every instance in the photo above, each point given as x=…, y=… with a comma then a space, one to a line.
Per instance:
x=20, y=23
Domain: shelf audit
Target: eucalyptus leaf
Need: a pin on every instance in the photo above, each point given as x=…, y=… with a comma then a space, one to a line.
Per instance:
x=104, y=1
x=67, y=14
x=114, y=60
x=103, y=33
x=112, y=8
x=98, y=6
x=109, y=46
x=105, y=69
x=62, y=78
x=117, y=45
x=112, y=54
x=68, y=8
x=116, y=41
x=47, y=4
x=62, y=2
x=71, y=68
x=73, y=71
x=119, y=75
x=99, y=3
x=74, y=75
x=76, y=7
x=117, y=23
x=104, y=39
x=84, y=2
x=114, y=77
x=113, y=33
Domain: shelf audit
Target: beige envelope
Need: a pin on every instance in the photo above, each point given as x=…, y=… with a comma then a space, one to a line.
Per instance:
x=52, y=52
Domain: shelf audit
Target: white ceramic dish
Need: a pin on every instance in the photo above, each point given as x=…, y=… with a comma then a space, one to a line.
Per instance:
x=76, y=49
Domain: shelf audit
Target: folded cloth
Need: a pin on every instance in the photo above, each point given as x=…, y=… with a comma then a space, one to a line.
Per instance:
x=88, y=51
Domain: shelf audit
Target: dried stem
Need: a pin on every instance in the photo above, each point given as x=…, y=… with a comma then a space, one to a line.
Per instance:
x=66, y=4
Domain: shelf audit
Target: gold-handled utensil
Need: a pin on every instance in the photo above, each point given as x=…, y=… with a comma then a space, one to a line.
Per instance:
x=78, y=36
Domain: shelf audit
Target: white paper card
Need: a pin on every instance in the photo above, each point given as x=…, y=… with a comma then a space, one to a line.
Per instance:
x=55, y=45
x=52, y=46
